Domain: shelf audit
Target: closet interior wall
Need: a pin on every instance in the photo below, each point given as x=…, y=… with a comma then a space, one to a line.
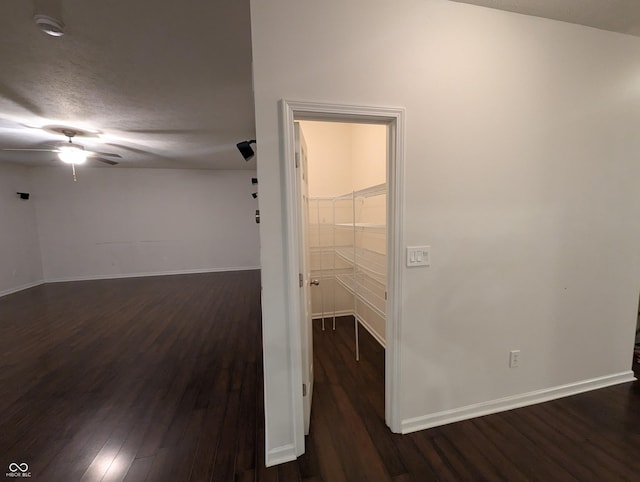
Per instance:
x=347, y=222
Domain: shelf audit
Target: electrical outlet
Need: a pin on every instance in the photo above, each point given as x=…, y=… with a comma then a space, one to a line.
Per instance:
x=514, y=358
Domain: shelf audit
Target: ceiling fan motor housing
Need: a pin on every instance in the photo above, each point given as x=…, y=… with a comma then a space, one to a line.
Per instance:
x=49, y=25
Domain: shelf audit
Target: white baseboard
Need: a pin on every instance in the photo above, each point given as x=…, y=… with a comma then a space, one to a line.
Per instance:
x=373, y=332
x=125, y=275
x=316, y=316
x=21, y=288
x=154, y=273
x=280, y=455
x=366, y=325
x=509, y=403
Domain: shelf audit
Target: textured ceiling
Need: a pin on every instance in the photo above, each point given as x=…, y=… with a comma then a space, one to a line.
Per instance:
x=621, y=16
x=164, y=83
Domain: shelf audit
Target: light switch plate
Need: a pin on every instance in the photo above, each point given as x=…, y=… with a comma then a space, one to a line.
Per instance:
x=418, y=256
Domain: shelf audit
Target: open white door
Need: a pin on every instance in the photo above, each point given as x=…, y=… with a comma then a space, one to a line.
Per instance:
x=298, y=318
x=306, y=329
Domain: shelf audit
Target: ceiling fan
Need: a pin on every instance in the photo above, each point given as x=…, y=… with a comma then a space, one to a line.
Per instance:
x=74, y=154
x=71, y=153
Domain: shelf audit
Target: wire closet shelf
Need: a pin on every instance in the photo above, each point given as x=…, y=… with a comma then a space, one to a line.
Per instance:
x=348, y=247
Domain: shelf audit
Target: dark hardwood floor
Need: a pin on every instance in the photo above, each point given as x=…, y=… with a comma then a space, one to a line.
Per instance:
x=160, y=379
x=592, y=436
x=134, y=379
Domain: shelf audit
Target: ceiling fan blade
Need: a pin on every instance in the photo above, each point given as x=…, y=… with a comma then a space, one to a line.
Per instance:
x=106, y=161
x=31, y=150
x=129, y=148
x=167, y=131
x=108, y=154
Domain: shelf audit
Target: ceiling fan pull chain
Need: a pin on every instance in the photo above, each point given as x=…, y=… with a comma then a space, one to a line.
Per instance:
x=73, y=169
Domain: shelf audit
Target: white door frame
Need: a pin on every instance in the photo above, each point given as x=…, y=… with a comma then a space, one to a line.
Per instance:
x=394, y=119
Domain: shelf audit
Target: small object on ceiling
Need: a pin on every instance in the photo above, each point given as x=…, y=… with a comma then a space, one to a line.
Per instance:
x=257, y=216
x=23, y=195
x=254, y=180
x=49, y=25
x=245, y=149
x=255, y=195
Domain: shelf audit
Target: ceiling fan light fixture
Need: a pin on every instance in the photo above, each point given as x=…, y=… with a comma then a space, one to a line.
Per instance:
x=72, y=155
x=49, y=25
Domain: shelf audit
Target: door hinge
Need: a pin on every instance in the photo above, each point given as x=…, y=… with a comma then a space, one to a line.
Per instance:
x=297, y=159
x=300, y=280
x=304, y=389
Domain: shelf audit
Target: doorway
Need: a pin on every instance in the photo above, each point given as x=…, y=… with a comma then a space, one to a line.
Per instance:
x=363, y=217
x=347, y=223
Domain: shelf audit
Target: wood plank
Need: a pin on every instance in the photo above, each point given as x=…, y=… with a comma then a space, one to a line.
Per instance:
x=139, y=470
x=162, y=379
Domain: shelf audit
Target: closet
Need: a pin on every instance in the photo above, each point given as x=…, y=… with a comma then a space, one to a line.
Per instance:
x=347, y=224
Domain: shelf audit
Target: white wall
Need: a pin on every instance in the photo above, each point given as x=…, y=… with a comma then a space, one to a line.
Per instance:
x=20, y=265
x=369, y=154
x=118, y=222
x=521, y=173
x=344, y=156
x=330, y=164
